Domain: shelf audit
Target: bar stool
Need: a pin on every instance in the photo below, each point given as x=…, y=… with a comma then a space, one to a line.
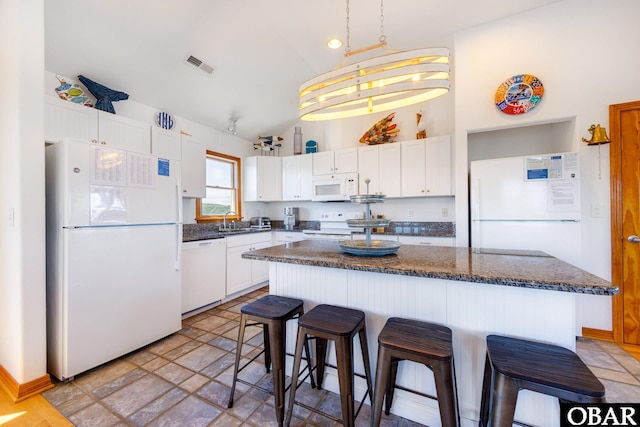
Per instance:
x=513, y=364
x=420, y=342
x=272, y=312
x=339, y=324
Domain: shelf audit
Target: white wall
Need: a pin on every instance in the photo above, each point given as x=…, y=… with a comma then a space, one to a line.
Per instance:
x=22, y=246
x=583, y=72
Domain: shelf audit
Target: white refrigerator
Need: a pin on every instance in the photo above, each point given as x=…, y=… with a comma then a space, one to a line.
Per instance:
x=529, y=203
x=114, y=236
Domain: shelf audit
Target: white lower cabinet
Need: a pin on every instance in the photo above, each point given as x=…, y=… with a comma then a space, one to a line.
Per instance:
x=243, y=273
x=203, y=273
x=427, y=240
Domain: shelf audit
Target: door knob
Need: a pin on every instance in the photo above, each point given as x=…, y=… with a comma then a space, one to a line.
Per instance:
x=633, y=239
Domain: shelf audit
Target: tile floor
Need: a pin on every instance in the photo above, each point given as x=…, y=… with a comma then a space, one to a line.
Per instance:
x=184, y=379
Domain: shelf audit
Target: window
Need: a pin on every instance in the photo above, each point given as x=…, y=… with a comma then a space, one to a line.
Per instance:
x=223, y=189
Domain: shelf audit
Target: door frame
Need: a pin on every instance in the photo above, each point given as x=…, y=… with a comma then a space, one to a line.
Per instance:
x=617, y=237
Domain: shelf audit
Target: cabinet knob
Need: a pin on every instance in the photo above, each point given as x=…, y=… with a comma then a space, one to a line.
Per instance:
x=94, y=141
x=103, y=142
x=184, y=190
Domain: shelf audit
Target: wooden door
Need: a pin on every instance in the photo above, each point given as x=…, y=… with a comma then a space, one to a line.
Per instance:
x=625, y=220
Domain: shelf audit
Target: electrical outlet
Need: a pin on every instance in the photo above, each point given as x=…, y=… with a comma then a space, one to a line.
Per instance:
x=410, y=213
x=445, y=212
x=597, y=211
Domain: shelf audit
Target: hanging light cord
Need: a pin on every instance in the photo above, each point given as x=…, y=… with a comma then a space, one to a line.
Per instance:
x=383, y=38
x=347, y=48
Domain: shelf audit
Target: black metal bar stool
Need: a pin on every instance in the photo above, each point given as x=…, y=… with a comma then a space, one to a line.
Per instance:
x=513, y=364
x=339, y=324
x=272, y=312
x=420, y=342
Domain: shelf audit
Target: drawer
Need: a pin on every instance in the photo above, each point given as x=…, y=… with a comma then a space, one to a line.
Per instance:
x=248, y=239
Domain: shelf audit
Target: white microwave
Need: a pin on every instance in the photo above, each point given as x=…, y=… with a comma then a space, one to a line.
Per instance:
x=334, y=187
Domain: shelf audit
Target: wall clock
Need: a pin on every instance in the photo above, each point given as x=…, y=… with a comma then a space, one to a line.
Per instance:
x=519, y=94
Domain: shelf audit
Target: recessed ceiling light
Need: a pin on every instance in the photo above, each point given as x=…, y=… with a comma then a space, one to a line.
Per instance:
x=334, y=43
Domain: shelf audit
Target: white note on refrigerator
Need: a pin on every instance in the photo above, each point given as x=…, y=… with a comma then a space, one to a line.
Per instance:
x=563, y=196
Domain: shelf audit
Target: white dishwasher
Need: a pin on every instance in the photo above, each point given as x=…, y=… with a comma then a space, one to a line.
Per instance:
x=204, y=272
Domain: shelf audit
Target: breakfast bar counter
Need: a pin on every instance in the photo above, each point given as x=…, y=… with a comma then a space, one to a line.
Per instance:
x=524, y=294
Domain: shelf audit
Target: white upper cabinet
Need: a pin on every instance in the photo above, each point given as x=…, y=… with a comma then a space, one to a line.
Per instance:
x=122, y=132
x=262, y=179
x=338, y=161
x=64, y=119
x=380, y=163
x=426, y=166
x=297, y=178
x=389, y=173
x=192, y=154
x=166, y=144
x=194, y=167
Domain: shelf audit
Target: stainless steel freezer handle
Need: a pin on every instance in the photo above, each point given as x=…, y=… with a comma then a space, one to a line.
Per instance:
x=633, y=239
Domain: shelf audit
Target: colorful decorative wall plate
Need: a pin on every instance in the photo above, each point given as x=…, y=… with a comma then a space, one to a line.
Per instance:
x=519, y=94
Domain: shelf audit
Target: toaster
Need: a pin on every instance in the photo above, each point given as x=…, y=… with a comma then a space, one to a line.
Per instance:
x=260, y=222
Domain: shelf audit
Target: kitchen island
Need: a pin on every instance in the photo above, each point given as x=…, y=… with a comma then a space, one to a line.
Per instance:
x=524, y=294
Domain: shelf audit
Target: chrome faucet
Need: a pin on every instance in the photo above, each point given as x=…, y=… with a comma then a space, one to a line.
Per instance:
x=224, y=219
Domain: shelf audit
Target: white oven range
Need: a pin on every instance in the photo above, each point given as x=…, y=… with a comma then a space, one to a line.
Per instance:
x=333, y=226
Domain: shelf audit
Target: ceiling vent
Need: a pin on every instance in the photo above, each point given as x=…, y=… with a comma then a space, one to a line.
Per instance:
x=199, y=64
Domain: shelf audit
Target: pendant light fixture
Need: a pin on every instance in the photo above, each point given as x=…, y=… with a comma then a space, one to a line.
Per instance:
x=393, y=80
x=232, y=126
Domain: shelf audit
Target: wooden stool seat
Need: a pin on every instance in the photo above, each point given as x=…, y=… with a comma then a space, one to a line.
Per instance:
x=339, y=324
x=513, y=364
x=272, y=312
x=416, y=337
x=427, y=343
x=273, y=307
x=332, y=320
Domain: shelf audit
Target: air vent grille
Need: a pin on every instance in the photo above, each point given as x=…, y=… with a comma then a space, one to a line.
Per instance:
x=199, y=64
x=194, y=61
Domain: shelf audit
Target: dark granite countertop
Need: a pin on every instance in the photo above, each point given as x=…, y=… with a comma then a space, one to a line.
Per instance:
x=194, y=232
x=528, y=269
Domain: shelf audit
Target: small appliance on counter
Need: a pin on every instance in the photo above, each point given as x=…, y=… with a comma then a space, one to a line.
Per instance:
x=290, y=218
x=260, y=223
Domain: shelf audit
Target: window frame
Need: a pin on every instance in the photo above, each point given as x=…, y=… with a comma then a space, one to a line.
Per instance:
x=238, y=190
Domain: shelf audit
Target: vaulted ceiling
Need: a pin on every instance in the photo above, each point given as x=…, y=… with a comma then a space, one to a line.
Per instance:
x=261, y=50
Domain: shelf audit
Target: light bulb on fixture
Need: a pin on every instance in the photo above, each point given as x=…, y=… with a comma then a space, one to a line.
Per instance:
x=334, y=43
x=231, y=126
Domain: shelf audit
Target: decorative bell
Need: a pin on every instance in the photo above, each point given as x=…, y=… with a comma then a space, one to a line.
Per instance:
x=598, y=135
